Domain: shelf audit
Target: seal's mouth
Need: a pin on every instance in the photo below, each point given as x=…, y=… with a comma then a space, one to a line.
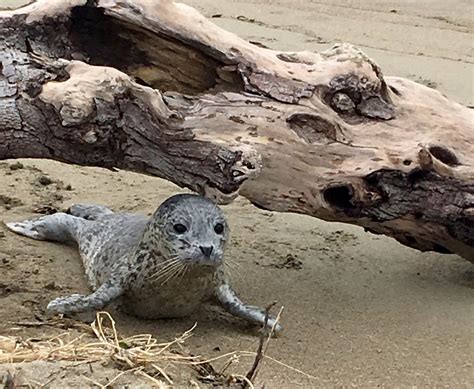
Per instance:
x=204, y=261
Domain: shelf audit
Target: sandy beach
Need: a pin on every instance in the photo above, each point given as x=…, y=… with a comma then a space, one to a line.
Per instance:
x=359, y=310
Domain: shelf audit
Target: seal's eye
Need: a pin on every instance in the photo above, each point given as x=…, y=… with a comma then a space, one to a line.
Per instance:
x=179, y=228
x=219, y=228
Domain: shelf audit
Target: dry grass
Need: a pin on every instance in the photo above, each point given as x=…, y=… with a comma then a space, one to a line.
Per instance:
x=140, y=354
x=133, y=351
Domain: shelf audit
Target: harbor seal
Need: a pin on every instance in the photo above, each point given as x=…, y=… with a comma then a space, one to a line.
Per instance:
x=164, y=266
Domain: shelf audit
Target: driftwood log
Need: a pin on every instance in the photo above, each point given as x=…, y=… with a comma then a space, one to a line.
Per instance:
x=154, y=87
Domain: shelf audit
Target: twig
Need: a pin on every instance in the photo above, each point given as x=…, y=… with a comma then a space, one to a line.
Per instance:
x=163, y=373
x=159, y=384
x=272, y=331
x=227, y=364
x=31, y=323
x=263, y=341
x=247, y=382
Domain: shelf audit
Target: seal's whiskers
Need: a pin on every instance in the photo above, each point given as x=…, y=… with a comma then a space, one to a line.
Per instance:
x=163, y=264
x=174, y=274
x=169, y=270
x=165, y=269
x=185, y=269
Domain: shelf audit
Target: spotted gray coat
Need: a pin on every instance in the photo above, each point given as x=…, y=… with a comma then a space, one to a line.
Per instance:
x=164, y=266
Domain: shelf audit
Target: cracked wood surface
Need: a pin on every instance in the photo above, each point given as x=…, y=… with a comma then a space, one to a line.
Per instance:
x=156, y=88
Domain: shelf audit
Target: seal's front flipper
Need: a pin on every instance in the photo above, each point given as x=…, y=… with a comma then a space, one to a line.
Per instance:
x=231, y=303
x=75, y=303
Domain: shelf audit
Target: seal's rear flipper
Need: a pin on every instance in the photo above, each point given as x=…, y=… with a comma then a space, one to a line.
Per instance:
x=58, y=227
x=26, y=228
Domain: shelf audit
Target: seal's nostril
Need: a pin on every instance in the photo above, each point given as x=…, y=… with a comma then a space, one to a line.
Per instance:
x=207, y=251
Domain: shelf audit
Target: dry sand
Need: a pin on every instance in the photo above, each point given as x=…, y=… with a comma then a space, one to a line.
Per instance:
x=360, y=310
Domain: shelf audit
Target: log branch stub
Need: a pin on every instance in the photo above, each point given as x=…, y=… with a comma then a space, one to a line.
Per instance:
x=154, y=87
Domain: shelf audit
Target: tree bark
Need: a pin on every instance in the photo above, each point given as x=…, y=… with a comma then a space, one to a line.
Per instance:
x=154, y=87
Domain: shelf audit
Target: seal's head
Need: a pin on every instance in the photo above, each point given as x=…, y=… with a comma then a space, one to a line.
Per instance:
x=190, y=228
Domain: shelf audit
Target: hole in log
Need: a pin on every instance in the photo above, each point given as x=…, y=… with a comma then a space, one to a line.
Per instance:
x=313, y=128
x=259, y=206
x=410, y=240
x=259, y=44
x=441, y=249
x=395, y=90
x=147, y=56
x=138, y=80
x=339, y=196
x=444, y=155
x=289, y=57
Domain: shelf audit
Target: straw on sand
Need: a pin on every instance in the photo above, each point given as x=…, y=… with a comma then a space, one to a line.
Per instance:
x=130, y=353
x=139, y=354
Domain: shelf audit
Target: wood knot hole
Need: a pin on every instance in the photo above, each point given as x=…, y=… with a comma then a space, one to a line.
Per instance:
x=444, y=155
x=339, y=196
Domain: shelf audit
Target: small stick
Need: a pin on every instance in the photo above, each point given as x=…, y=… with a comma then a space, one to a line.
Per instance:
x=32, y=323
x=252, y=374
x=229, y=362
x=163, y=373
x=247, y=382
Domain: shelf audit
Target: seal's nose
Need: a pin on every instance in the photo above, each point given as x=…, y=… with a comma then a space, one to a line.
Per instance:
x=207, y=251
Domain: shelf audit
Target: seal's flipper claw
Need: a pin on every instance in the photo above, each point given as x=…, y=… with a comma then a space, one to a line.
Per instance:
x=232, y=304
x=76, y=303
x=66, y=305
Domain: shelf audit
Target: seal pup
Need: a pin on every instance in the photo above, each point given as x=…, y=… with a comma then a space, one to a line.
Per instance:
x=165, y=266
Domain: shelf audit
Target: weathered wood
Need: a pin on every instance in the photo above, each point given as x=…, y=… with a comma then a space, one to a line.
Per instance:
x=154, y=87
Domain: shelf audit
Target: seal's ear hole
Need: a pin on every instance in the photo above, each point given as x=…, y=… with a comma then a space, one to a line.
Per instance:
x=444, y=155
x=339, y=196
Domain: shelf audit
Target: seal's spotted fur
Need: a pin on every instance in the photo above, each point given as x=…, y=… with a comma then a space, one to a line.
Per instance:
x=159, y=267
